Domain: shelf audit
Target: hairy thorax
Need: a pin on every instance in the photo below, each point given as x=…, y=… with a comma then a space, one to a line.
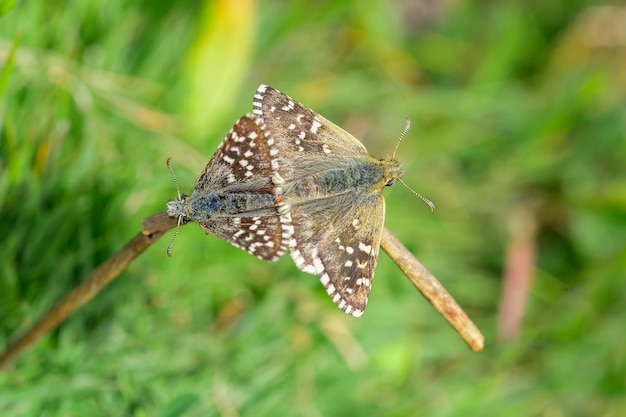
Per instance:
x=364, y=175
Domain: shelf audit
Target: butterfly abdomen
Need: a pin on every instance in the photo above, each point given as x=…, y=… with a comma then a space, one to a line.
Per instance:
x=214, y=204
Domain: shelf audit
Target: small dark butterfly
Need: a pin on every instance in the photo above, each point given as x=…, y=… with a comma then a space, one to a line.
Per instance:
x=234, y=197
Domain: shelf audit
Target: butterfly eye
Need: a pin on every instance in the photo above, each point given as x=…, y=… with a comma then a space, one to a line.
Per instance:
x=390, y=182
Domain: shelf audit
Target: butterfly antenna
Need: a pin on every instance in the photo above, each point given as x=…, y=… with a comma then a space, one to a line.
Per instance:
x=180, y=218
x=169, y=248
x=406, y=129
x=169, y=166
x=424, y=199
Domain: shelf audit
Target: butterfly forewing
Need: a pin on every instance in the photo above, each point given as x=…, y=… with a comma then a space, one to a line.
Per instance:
x=242, y=158
x=298, y=135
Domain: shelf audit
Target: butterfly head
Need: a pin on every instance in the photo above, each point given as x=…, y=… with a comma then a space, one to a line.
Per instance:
x=180, y=209
x=393, y=171
x=177, y=208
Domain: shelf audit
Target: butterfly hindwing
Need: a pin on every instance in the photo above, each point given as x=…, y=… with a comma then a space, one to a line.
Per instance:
x=339, y=244
x=260, y=236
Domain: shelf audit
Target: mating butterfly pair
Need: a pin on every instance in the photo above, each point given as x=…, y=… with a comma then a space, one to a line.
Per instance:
x=287, y=178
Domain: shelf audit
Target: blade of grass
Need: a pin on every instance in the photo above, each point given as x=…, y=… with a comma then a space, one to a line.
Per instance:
x=10, y=62
x=6, y=6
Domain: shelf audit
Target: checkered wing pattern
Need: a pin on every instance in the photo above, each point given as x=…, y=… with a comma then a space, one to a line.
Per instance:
x=299, y=136
x=258, y=235
x=242, y=160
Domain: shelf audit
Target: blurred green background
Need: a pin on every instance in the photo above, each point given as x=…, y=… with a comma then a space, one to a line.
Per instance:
x=519, y=136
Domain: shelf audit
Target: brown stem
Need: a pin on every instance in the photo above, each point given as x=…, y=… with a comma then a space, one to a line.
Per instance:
x=155, y=226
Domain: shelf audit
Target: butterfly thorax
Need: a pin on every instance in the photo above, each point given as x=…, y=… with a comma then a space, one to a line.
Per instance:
x=361, y=176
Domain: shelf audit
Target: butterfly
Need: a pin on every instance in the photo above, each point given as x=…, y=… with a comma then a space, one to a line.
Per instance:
x=331, y=205
x=234, y=196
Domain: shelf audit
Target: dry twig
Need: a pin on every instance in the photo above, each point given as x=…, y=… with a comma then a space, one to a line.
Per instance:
x=432, y=290
x=155, y=226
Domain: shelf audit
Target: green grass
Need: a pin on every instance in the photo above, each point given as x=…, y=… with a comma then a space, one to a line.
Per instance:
x=515, y=108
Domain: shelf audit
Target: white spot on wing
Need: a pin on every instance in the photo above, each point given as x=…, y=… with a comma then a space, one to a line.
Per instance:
x=318, y=265
x=330, y=290
x=325, y=279
x=365, y=248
